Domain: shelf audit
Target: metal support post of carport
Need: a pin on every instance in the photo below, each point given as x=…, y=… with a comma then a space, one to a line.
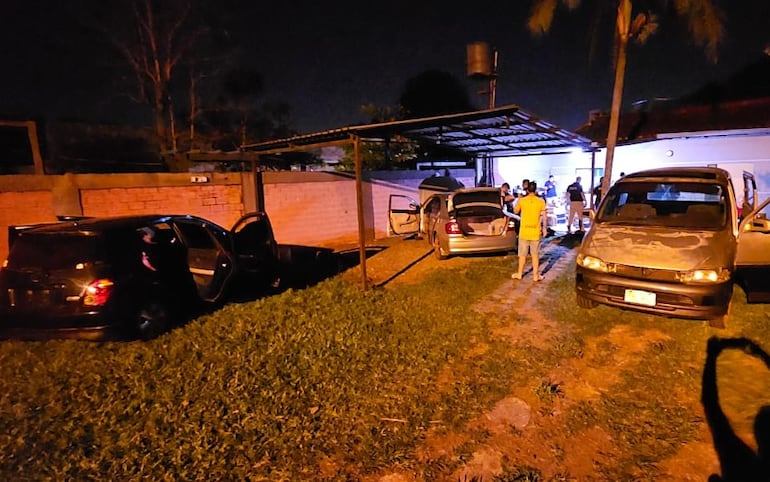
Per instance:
x=360, y=209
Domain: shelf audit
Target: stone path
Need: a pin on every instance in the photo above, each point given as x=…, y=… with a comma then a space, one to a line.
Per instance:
x=556, y=254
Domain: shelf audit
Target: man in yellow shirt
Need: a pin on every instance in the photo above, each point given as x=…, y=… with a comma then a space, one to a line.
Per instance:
x=533, y=227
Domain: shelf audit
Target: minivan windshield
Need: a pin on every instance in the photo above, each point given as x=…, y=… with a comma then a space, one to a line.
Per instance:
x=678, y=204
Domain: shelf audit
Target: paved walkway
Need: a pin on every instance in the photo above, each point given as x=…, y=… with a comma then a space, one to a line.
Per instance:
x=395, y=259
x=557, y=253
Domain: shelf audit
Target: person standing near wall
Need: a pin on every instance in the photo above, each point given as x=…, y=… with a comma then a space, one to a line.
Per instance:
x=577, y=202
x=598, y=193
x=550, y=189
x=507, y=199
x=533, y=227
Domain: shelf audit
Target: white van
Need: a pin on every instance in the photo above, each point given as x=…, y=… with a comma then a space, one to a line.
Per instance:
x=670, y=241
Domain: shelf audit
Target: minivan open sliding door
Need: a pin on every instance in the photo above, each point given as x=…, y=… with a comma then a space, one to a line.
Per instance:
x=752, y=260
x=750, y=201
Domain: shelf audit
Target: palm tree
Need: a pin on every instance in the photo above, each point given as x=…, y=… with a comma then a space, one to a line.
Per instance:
x=704, y=21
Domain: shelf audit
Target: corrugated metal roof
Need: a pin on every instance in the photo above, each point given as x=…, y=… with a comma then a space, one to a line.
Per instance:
x=502, y=131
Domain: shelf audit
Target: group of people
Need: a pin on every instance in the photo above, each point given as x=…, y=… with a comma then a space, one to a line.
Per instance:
x=528, y=207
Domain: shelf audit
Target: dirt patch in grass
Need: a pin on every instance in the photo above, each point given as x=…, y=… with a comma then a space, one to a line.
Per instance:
x=546, y=428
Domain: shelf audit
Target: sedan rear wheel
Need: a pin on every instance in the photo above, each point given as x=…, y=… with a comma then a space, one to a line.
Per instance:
x=437, y=251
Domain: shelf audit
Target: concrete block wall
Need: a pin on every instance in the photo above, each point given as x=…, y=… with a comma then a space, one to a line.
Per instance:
x=26, y=207
x=306, y=208
x=314, y=213
x=221, y=204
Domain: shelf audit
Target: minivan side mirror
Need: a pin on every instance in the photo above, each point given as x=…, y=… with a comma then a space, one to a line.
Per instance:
x=758, y=225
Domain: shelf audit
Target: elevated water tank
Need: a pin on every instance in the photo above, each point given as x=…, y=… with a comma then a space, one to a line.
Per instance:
x=479, y=60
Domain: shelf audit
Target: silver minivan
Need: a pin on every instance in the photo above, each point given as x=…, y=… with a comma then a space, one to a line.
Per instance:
x=671, y=241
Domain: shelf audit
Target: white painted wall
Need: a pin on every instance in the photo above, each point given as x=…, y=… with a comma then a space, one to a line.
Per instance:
x=734, y=151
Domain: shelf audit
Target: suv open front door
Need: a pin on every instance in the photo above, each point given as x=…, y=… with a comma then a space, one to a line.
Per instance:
x=752, y=260
x=256, y=249
x=403, y=215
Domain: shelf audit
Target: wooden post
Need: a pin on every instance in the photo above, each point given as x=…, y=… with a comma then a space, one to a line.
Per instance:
x=34, y=143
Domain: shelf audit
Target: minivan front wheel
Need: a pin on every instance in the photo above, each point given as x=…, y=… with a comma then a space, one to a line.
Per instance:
x=151, y=320
x=586, y=303
x=720, y=322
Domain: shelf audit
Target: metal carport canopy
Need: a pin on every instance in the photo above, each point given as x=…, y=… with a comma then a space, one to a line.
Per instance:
x=501, y=131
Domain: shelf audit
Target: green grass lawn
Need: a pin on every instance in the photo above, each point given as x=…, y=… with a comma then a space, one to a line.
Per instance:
x=326, y=383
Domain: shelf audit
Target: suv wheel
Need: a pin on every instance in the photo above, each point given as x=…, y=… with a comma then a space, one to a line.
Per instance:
x=151, y=320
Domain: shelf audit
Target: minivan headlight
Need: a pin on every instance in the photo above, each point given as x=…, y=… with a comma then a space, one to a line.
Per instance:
x=705, y=275
x=592, y=263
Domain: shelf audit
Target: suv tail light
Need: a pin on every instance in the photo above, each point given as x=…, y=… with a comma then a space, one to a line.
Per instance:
x=97, y=292
x=452, y=228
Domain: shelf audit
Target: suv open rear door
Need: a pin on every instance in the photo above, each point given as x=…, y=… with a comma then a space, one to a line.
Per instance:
x=256, y=249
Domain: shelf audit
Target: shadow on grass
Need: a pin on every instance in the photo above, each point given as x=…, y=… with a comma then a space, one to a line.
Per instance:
x=300, y=267
x=403, y=270
x=352, y=257
x=737, y=460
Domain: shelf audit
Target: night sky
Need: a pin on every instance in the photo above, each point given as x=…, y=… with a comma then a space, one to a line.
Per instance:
x=326, y=59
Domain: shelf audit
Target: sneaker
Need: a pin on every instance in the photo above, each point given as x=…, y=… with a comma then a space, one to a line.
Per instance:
x=515, y=276
x=538, y=277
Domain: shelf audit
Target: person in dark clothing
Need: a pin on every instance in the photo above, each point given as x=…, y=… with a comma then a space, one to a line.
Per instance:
x=550, y=188
x=598, y=193
x=167, y=271
x=577, y=202
x=507, y=198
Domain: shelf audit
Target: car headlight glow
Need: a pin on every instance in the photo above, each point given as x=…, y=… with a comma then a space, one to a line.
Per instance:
x=705, y=276
x=592, y=263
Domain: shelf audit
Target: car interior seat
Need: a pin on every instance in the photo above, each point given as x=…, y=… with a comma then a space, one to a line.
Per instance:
x=636, y=211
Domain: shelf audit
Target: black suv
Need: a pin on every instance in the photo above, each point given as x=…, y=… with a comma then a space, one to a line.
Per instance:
x=127, y=277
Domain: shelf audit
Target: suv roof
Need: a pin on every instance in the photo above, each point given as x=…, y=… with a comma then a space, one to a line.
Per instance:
x=102, y=224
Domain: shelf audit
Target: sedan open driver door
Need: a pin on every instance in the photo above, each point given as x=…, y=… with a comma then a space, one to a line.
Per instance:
x=403, y=215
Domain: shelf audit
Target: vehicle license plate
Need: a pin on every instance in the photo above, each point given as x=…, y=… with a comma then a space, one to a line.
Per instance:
x=639, y=297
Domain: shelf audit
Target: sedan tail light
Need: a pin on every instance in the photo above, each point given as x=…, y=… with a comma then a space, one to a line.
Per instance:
x=97, y=292
x=452, y=228
x=511, y=226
